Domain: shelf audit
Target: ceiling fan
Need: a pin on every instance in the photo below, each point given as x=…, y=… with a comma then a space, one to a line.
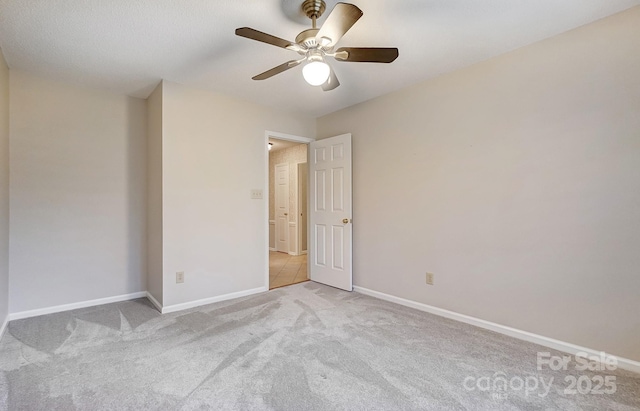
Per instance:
x=316, y=44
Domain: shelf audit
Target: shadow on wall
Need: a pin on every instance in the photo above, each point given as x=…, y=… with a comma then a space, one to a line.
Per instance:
x=136, y=198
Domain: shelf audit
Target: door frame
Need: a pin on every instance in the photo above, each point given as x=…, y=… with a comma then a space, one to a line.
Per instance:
x=280, y=136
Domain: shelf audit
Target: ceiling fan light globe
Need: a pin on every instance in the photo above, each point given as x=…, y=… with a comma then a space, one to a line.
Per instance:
x=316, y=73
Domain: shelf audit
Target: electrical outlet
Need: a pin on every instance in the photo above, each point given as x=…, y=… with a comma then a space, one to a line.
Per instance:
x=256, y=194
x=180, y=277
x=430, y=278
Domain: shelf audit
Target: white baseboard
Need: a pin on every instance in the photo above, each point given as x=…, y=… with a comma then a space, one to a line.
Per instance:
x=142, y=294
x=303, y=252
x=154, y=301
x=624, y=363
x=82, y=304
x=272, y=249
x=4, y=326
x=211, y=300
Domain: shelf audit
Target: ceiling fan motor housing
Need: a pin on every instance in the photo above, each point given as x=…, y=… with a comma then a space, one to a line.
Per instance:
x=308, y=38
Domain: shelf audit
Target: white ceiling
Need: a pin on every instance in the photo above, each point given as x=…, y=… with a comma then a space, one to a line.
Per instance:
x=129, y=45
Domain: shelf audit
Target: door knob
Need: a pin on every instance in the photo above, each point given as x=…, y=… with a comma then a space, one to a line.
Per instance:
x=286, y=213
x=345, y=221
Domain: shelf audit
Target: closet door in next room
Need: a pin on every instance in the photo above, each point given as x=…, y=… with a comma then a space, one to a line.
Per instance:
x=282, y=207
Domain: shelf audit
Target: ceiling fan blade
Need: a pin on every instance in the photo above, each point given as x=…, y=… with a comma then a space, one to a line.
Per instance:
x=367, y=54
x=263, y=37
x=342, y=18
x=332, y=82
x=277, y=70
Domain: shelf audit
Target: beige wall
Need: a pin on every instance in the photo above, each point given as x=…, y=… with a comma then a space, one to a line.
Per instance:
x=213, y=155
x=4, y=189
x=154, y=194
x=516, y=181
x=292, y=156
x=77, y=194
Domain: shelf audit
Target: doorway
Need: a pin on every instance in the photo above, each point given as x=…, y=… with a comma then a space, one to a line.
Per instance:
x=287, y=163
x=329, y=214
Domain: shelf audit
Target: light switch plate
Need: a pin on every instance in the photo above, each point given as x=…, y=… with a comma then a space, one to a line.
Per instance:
x=256, y=194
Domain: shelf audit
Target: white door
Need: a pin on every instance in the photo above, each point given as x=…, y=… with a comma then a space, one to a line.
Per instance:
x=330, y=212
x=282, y=207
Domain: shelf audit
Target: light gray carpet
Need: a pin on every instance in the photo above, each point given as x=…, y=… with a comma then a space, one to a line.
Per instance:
x=304, y=347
